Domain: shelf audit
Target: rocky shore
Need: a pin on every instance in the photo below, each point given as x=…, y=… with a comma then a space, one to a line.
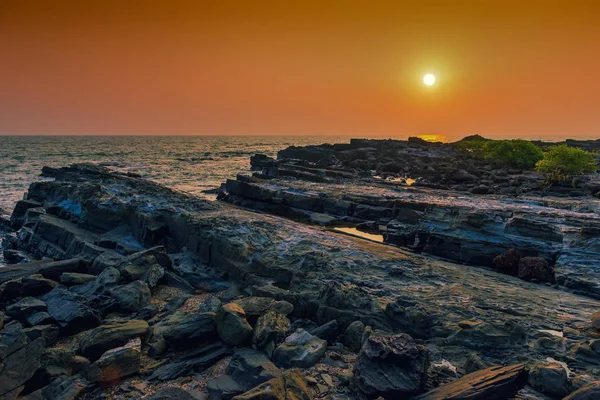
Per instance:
x=121, y=288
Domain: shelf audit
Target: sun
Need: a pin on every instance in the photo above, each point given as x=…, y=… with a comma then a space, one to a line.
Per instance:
x=429, y=79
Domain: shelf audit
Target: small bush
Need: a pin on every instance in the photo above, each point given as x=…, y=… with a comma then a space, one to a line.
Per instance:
x=562, y=163
x=517, y=153
x=473, y=147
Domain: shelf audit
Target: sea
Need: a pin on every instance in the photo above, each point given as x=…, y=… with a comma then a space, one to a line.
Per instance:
x=192, y=164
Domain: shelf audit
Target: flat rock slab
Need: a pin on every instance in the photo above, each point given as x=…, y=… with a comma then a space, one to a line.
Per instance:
x=494, y=383
x=325, y=275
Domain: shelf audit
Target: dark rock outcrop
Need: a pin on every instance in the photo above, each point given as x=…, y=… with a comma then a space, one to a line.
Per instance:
x=391, y=366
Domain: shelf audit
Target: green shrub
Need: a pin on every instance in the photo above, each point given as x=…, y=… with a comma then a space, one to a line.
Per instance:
x=473, y=147
x=517, y=153
x=562, y=163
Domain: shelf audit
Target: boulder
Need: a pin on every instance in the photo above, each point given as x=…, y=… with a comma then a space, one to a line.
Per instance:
x=116, y=364
x=19, y=360
x=353, y=335
x=299, y=350
x=223, y=387
x=232, y=326
x=590, y=391
x=180, y=330
x=70, y=311
x=25, y=307
x=211, y=304
x=255, y=306
x=508, y=262
x=495, y=383
x=48, y=332
x=36, y=285
x=75, y=278
x=250, y=368
x=535, y=269
x=550, y=378
x=62, y=388
x=271, y=328
x=328, y=331
x=391, y=366
x=110, y=336
x=56, y=362
x=290, y=386
x=132, y=297
x=17, y=218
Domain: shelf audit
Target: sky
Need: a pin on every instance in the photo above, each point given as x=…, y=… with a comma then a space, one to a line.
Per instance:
x=504, y=68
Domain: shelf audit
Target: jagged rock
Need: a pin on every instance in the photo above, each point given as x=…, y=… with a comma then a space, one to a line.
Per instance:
x=328, y=331
x=39, y=318
x=54, y=364
x=15, y=256
x=49, y=333
x=105, y=260
x=175, y=303
x=197, y=361
x=353, y=335
x=508, y=262
x=18, y=216
x=116, y=364
x=110, y=336
x=291, y=385
x=475, y=363
x=62, y=388
x=248, y=368
x=108, y=279
x=175, y=393
x=299, y=350
x=70, y=311
x=255, y=306
x=147, y=265
x=232, y=326
x=494, y=383
x=271, y=328
x=132, y=297
x=391, y=366
x=75, y=278
x=19, y=359
x=550, y=378
x=26, y=307
x=535, y=269
x=211, y=304
x=182, y=330
x=590, y=391
x=147, y=312
x=223, y=387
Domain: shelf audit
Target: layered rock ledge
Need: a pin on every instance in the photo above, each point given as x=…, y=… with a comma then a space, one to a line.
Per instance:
x=138, y=291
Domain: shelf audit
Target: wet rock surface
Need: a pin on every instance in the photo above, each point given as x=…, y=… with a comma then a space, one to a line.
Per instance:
x=149, y=293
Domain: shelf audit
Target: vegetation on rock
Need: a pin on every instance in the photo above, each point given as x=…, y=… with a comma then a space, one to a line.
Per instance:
x=516, y=153
x=561, y=164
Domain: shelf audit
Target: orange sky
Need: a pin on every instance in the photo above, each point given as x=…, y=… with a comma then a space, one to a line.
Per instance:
x=505, y=68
